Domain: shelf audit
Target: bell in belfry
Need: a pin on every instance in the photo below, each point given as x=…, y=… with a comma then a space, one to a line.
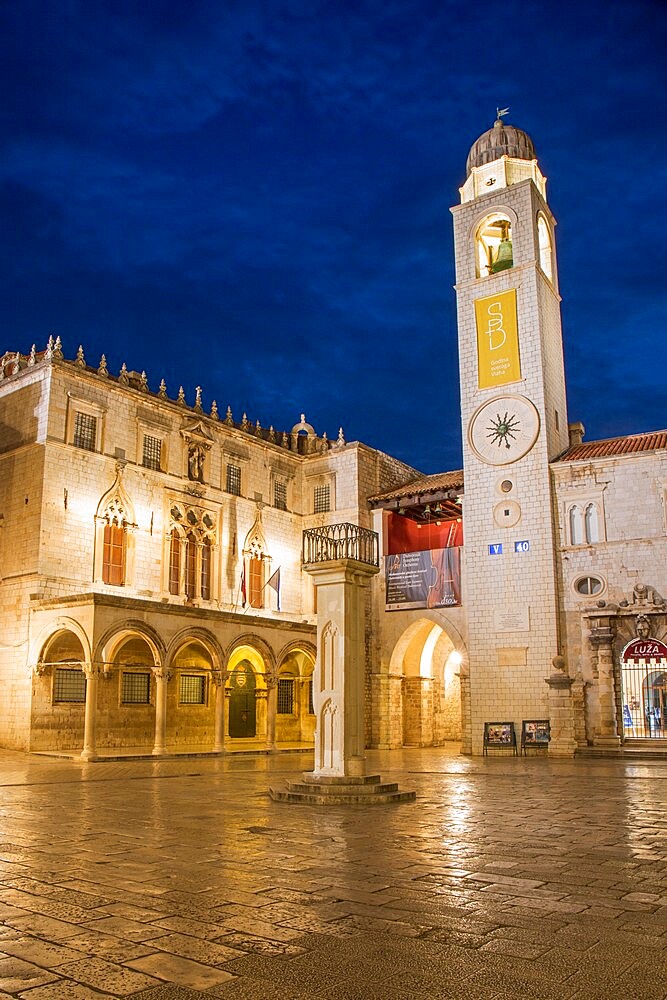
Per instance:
x=504, y=258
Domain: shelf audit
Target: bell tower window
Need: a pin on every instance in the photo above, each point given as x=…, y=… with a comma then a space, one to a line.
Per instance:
x=545, y=246
x=493, y=245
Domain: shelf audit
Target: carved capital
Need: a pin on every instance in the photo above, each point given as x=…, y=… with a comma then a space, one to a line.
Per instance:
x=162, y=674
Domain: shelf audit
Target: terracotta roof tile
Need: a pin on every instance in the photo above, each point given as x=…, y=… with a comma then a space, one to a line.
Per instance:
x=632, y=443
x=422, y=486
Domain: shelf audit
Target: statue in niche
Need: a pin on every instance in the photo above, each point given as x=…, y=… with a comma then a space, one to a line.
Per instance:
x=196, y=463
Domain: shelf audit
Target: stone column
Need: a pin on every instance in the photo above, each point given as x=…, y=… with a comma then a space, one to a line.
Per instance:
x=219, y=678
x=339, y=679
x=561, y=711
x=271, y=711
x=466, y=713
x=601, y=638
x=162, y=678
x=579, y=707
x=261, y=718
x=89, y=751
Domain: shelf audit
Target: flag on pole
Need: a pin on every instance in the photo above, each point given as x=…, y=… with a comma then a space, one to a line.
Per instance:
x=274, y=583
x=243, y=587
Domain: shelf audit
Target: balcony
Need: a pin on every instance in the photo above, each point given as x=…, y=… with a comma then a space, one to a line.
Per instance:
x=340, y=541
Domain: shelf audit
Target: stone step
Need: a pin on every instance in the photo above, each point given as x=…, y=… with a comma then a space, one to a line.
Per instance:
x=340, y=779
x=337, y=798
x=319, y=788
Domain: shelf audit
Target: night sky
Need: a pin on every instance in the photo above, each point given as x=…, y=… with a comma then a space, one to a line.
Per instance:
x=254, y=198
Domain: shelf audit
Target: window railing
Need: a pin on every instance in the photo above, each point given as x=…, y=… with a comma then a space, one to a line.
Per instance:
x=340, y=541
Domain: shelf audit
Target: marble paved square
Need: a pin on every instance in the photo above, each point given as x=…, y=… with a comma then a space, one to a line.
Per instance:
x=181, y=879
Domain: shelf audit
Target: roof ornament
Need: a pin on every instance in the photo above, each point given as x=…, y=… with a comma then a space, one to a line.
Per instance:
x=48, y=353
x=500, y=114
x=162, y=390
x=272, y=435
x=214, y=411
x=198, y=406
x=244, y=421
x=143, y=382
x=123, y=376
x=341, y=438
x=181, y=396
x=57, y=349
x=229, y=419
x=32, y=357
x=80, y=361
x=102, y=367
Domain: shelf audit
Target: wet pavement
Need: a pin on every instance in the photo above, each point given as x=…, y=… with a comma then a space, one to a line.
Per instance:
x=175, y=880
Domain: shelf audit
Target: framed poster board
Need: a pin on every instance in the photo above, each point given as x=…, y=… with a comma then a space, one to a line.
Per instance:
x=499, y=736
x=535, y=733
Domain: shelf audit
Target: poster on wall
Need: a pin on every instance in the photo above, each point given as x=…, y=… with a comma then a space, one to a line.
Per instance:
x=427, y=579
x=497, y=340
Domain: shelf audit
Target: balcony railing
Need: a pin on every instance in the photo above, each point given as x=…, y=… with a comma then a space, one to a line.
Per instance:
x=340, y=541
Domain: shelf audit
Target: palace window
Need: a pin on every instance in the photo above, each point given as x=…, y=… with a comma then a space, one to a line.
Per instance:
x=286, y=696
x=192, y=689
x=233, y=484
x=280, y=495
x=191, y=553
x=584, y=524
x=85, y=431
x=255, y=583
x=576, y=524
x=205, y=582
x=589, y=586
x=136, y=688
x=175, y=562
x=322, y=499
x=152, y=453
x=493, y=245
x=113, y=557
x=69, y=685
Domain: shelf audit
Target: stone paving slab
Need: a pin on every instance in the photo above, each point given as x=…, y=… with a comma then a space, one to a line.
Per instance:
x=181, y=879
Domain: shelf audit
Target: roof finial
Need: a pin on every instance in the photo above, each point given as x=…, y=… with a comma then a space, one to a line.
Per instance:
x=500, y=114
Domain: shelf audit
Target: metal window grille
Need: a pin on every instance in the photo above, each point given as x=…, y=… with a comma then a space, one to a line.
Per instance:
x=193, y=689
x=280, y=495
x=152, y=457
x=136, y=689
x=85, y=431
x=322, y=499
x=286, y=696
x=69, y=685
x=234, y=480
x=311, y=706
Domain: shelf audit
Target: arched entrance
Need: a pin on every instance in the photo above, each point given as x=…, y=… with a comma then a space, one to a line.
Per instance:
x=59, y=692
x=644, y=683
x=428, y=664
x=295, y=716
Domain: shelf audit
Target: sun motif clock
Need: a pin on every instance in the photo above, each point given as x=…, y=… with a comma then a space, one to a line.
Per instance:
x=504, y=429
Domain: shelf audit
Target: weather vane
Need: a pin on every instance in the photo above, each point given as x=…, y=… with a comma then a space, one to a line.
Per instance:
x=501, y=112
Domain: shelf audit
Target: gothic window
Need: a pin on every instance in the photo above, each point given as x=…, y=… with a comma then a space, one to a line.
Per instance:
x=233, y=482
x=322, y=499
x=206, y=569
x=113, y=557
x=85, y=431
x=493, y=245
x=255, y=583
x=191, y=551
x=545, y=246
x=175, y=562
x=576, y=525
x=152, y=453
x=190, y=565
x=591, y=524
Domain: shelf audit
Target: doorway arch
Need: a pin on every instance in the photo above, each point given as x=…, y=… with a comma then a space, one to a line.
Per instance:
x=427, y=661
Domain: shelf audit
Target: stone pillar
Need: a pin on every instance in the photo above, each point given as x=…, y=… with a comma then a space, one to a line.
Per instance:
x=561, y=711
x=261, y=718
x=162, y=678
x=89, y=751
x=271, y=712
x=219, y=678
x=579, y=708
x=601, y=638
x=466, y=713
x=338, y=692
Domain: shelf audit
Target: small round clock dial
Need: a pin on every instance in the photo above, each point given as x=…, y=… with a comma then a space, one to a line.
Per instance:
x=504, y=429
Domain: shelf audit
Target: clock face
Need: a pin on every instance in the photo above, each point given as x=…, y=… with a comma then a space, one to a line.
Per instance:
x=504, y=429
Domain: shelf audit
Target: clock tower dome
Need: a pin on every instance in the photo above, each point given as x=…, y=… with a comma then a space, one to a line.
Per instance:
x=514, y=417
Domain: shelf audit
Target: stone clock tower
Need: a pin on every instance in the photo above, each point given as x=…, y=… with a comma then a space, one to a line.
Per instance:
x=514, y=417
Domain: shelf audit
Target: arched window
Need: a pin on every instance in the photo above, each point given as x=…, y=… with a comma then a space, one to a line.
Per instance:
x=190, y=565
x=545, y=246
x=493, y=245
x=206, y=569
x=576, y=520
x=591, y=524
x=113, y=555
x=175, y=562
x=255, y=582
x=256, y=563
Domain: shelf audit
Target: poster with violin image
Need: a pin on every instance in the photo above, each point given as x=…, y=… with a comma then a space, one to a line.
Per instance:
x=426, y=579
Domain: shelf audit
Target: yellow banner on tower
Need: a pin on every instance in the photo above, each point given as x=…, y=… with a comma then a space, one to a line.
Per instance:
x=498, y=359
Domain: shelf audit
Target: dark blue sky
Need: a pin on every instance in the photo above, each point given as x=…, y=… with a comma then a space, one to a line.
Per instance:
x=254, y=198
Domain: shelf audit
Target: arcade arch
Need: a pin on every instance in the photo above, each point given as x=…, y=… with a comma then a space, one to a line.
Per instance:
x=427, y=661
